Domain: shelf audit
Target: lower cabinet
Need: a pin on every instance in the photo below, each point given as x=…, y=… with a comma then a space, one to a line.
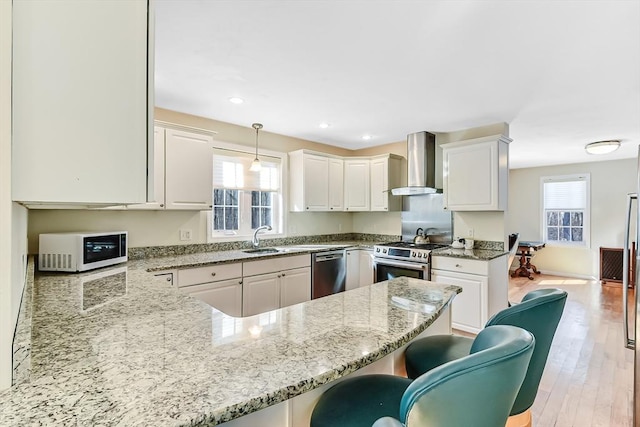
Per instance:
x=359, y=268
x=266, y=292
x=220, y=286
x=225, y=295
x=275, y=283
x=484, y=289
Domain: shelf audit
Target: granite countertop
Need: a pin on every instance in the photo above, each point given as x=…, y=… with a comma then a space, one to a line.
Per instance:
x=119, y=346
x=477, y=254
x=227, y=257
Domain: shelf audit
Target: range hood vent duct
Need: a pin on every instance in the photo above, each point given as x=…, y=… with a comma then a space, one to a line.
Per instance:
x=421, y=165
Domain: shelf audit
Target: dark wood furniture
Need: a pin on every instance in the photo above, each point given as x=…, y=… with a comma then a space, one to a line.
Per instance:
x=525, y=252
x=611, y=265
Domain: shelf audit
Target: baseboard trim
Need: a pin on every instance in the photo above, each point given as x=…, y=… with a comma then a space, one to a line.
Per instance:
x=572, y=275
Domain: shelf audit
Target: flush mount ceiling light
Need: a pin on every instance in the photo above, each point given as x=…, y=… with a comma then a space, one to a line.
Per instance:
x=324, y=125
x=236, y=100
x=255, y=165
x=366, y=137
x=602, y=147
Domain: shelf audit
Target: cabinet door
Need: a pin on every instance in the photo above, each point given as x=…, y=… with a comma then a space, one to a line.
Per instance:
x=316, y=182
x=260, y=294
x=157, y=198
x=366, y=267
x=295, y=286
x=225, y=295
x=336, y=184
x=476, y=174
x=469, y=307
x=379, y=185
x=353, y=269
x=80, y=124
x=189, y=170
x=356, y=185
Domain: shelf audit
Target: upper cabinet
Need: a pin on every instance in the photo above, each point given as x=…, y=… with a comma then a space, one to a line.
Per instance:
x=327, y=183
x=81, y=87
x=357, y=185
x=476, y=174
x=385, y=175
x=188, y=170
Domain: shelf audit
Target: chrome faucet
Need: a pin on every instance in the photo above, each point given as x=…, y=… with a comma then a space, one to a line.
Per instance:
x=256, y=241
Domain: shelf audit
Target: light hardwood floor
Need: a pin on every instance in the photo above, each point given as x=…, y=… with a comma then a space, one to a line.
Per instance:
x=588, y=379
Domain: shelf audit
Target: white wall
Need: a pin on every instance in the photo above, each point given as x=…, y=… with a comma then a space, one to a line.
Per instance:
x=13, y=217
x=610, y=182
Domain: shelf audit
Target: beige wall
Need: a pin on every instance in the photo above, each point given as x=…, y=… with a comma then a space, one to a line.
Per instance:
x=13, y=217
x=610, y=182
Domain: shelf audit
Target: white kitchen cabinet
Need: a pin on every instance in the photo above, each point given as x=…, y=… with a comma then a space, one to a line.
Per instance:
x=315, y=182
x=359, y=268
x=275, y=283
x=188, y=170
x=336, y=184
x=81, y=89
x=218, y=285
x=484, y=288
x=224, y=295
x=476, y=174
x=156, y=199
x=357, y=189
x=385, y=174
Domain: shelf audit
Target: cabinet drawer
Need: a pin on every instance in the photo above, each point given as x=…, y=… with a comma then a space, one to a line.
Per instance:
x=211, y=273
x=275, y=264
x=470, y=266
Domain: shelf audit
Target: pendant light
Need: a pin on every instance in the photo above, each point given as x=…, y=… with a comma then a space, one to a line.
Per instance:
x=255, y=165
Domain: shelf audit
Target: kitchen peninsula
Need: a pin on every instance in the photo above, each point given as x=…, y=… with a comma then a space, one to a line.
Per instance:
x=122, y=347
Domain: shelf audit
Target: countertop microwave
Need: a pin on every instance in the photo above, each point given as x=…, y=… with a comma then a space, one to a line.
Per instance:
x=81, y=251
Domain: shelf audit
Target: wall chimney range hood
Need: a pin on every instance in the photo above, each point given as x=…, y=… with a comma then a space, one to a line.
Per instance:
x=421, y=165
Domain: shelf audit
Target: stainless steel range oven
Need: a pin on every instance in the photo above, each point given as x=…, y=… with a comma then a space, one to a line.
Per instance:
x=397, y=259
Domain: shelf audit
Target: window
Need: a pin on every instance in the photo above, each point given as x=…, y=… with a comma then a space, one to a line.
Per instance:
x=565, y=210
x=244, y=200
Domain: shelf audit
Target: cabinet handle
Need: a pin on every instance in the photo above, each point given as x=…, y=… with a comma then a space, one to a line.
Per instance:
x=162, y=205
x=240, y=282
x=279, y=276
x=213, y=274
x=168, y=279
x=458, y=265
x=331, y=208
x=307, y=207
x=283, y=274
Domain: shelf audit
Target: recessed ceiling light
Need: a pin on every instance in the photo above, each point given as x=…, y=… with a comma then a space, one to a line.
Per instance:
x=602, y=147
x=236, y=100
x=366, y=137
x=324, y=125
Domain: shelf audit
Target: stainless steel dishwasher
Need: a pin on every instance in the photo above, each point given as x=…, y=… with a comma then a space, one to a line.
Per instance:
x=328, y=273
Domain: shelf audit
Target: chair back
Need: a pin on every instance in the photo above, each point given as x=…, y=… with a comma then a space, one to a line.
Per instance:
x=476, y=390
x=514, y=239
x=539, y=313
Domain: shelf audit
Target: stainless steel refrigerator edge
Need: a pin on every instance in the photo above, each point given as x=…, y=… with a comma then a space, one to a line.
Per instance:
x=427, y=212
x=630, y=342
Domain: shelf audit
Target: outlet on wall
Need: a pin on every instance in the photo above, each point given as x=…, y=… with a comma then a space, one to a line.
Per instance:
x=470, y=232
x=185, y=234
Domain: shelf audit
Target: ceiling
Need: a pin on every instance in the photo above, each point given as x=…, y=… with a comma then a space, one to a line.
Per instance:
x=561, y=73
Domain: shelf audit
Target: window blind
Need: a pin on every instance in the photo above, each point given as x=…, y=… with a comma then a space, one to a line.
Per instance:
x=231, y=171
x=570, y=194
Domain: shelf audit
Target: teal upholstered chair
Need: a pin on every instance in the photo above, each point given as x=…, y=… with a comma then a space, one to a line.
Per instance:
x=539, y=313
x=476, y=390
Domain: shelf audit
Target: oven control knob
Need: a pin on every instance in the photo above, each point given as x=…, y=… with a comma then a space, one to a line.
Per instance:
x=419, y=255
x=377, y=249
x=384, y=251
x=413, y=254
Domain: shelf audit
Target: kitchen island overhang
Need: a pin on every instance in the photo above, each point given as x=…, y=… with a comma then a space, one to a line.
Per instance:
x=149, y=355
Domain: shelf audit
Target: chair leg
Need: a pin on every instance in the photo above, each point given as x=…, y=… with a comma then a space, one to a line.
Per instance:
x=520, y=420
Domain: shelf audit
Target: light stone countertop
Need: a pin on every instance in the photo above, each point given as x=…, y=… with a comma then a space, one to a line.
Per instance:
x=227, y=257
x=477, y=254
x=118, y=346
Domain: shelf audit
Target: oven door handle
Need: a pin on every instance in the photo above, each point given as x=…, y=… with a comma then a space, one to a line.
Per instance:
x=408, y=265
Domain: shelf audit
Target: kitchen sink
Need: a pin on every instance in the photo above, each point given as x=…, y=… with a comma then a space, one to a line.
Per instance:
x=262, y=251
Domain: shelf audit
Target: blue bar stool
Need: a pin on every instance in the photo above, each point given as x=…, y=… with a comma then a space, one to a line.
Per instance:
x=476, y=390
x=539, y=313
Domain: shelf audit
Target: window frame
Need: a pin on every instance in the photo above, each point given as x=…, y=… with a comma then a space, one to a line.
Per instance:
x=586, y=217
x=283, y=208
